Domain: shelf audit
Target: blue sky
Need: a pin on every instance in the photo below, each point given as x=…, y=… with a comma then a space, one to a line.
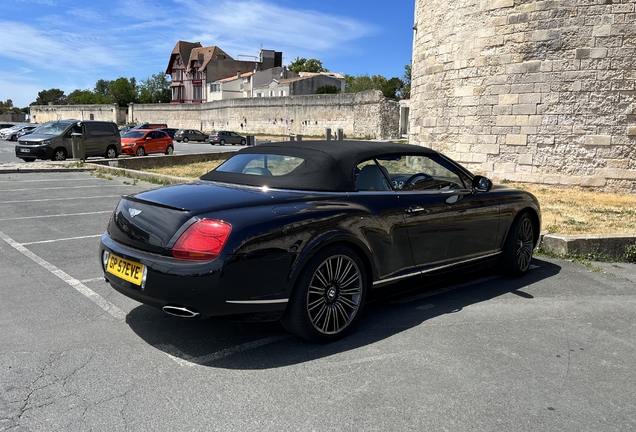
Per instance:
x=70, y=44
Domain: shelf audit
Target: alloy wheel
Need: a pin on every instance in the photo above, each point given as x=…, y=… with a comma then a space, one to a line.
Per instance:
x=525, y=243
x=334, y=294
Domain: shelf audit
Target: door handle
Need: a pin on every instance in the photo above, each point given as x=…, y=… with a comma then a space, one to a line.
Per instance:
x=415, y=209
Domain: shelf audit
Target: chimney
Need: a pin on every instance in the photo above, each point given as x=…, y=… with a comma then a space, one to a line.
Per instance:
x=238, y=74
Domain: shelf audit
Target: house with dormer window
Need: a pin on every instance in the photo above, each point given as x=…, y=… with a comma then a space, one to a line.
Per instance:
x=192, y=66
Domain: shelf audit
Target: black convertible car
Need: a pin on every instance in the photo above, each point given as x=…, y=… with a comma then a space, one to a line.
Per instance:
x=309, y=229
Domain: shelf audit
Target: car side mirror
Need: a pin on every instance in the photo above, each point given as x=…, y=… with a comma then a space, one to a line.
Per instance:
x=481, y=184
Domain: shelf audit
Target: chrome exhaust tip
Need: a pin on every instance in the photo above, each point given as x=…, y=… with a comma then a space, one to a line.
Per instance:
x=180, y=312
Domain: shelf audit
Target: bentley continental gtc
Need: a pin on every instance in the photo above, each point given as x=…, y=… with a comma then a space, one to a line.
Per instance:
x=306, y=231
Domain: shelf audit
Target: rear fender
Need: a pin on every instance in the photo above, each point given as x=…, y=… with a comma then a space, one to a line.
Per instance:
x=328, y=239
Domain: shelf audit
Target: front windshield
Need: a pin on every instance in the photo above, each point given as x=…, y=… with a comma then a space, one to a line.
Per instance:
x=51, y=128
x=134, y=134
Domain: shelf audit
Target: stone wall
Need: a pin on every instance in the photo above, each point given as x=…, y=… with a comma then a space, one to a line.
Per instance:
x=108, y=112
x=360, y=115
x=531, y=91
x=12, y=117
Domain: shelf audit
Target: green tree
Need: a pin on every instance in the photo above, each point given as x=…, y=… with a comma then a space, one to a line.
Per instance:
x=391, y=87
x=54, y=96
x=155, y=89
x=86, y=97
x=327, y=89
x=123, y=91
x=102, y=87
x=388, y=87
x=301, y=64
x=405, y=92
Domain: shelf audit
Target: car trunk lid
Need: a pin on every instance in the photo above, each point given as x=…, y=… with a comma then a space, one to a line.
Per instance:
x=152, y=220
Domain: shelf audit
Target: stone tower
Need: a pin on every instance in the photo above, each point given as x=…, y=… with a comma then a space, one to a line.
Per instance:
x=532, y=91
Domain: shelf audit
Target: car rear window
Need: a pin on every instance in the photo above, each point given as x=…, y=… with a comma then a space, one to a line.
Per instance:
x=261, y=164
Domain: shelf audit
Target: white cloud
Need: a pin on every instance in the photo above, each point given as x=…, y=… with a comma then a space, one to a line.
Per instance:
x=54, y=49
x=238, y=24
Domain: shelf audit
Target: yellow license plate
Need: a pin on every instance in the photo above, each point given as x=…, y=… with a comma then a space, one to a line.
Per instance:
x=127, y=270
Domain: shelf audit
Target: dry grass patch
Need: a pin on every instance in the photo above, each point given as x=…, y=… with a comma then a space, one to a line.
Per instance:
x=575, y=211
x=193, y=170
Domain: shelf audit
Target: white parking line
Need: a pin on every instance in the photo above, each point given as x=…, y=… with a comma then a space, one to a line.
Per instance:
x=62, y=187
x=79, y=286
x=59, y=199
x=62, y=239
x=185, y=360
x=56, y=215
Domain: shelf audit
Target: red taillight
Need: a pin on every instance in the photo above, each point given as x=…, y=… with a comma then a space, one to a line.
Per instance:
x=203, y=240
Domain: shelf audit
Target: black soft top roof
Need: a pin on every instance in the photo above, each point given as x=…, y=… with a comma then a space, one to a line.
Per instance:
x=328, y=166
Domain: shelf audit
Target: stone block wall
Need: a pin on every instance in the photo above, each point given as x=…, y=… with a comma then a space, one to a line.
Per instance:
x=108, y=112
x=532, y=91
x=360, y=115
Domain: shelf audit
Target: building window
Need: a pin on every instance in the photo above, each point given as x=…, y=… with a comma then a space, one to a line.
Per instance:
x=177, y=75
x=281, y=93
x=198, y=75
x=197, y=93
x=176, y=93
x=215, y=87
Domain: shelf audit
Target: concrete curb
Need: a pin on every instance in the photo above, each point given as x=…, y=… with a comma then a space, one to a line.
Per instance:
x=606, y=246
x=40, y=170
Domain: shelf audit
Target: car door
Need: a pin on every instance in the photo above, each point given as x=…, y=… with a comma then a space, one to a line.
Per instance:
x=445, y=221
x=384, y=227
x=234, y=138
x=155, y=140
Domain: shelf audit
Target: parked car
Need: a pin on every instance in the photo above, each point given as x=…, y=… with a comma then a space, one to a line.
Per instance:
x=140, y=142
x=6, y=133
x=222, y=137
x=124, y=129
x=150, y=126
x=186, y=135
x=4, y=126
x=170, y=131
x=53, y=140
x=24, y=131
x=309, y=230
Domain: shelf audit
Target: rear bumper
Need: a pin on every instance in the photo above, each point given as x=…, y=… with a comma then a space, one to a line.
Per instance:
x=197, y=286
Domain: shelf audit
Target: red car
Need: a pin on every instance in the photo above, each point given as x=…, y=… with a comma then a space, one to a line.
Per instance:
x=140, y=142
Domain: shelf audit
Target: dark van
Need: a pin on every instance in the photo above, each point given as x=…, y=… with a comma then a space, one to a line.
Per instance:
x=53, y=140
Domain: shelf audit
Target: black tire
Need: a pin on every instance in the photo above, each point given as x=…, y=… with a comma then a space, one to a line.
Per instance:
x=243, y=142
x=59, y=154
x=140, y=151
x=111, y=152
x=328, y=297
x=169, y=150
x=185, y=139
x=221, y=142
x=28, y=159
x=519, y=246
x=13, y=138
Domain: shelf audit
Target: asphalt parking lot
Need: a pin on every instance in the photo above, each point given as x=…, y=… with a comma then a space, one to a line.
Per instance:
x=554, y=350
